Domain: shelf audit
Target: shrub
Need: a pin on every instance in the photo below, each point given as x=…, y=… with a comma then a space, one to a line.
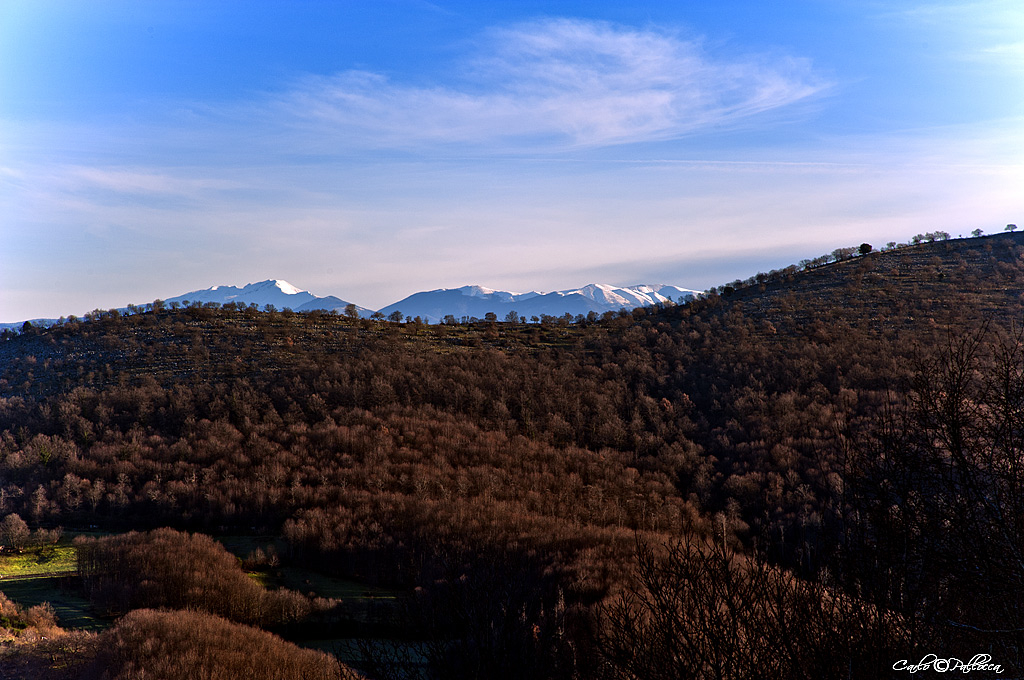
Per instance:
x=168, y=568
x=699, y=611
x=190, y=645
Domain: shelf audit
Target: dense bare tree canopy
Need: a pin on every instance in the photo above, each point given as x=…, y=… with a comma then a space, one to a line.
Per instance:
x=845, y=435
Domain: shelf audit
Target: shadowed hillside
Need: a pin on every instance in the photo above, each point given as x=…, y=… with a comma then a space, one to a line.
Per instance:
x=895, y=290
x=840, y=441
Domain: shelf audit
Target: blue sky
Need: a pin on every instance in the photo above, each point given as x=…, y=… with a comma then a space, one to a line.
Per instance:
x=371, y=150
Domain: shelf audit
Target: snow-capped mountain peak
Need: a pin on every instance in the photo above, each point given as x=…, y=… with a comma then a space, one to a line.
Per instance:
x=477, y=301
x=476, y=291
x=489, y=293
x=275, y=292
x=283, y=286
x=434, y=306
x=467, y=302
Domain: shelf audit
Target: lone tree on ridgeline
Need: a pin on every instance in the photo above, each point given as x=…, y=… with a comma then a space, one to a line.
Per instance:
x=1011, y=227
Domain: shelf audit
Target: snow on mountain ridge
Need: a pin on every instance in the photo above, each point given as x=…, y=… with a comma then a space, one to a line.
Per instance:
x=284, y=287
x=434, y=305
x=276, y=292
x=476, y=291
x=476, y=301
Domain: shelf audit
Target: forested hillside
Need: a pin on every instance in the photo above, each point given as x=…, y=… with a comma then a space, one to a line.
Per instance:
x=812, y=473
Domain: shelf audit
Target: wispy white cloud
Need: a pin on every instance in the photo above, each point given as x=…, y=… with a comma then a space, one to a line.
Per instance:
x=201, y=193
x=557, y=82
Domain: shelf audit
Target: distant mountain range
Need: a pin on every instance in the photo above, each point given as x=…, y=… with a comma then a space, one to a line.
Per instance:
x=476, y=301
x=435, y=305
x=280, y=294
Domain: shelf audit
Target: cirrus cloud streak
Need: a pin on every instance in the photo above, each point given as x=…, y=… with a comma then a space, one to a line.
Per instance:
x=556, y=84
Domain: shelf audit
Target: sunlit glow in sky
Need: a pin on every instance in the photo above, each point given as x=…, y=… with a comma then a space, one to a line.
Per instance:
x=371, y=150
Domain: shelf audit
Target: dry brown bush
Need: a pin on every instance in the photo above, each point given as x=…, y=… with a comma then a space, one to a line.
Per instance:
x=189, y=645
x=172, y=569
x=697, y=610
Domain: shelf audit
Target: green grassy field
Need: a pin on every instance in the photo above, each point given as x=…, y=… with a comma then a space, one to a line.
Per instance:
x=39, y=575
x=42, y=575
x=73, y=610
x=51, y=560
